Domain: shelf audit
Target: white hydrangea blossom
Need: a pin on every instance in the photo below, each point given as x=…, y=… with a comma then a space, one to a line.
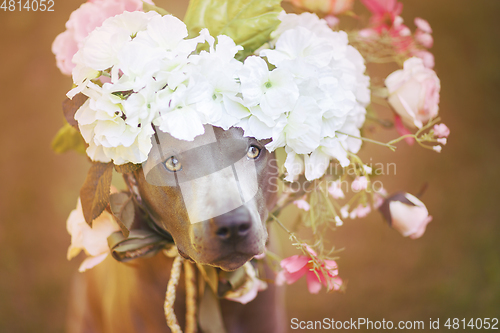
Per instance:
x=333, y=94
x=139, y=71
x=155, y=78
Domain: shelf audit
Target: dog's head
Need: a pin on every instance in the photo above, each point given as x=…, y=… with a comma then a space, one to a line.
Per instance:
x=212, y=194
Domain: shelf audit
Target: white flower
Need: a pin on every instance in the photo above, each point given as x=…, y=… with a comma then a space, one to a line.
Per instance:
x=219, y=68
x=333, y=93
x=275, y=91
x=183, y=118
x=294, y=165
x=299, y=43
x=154, y=80
x=307, y=20
x=302, y=130
x=99, y=50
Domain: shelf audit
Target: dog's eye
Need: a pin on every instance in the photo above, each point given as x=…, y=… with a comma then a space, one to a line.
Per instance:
x=173, y=164
x=253, y=152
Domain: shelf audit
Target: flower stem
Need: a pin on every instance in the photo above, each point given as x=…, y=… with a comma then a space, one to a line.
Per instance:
x=388, y=145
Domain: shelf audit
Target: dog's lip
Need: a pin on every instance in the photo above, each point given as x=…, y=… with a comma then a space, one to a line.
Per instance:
x=233, y=261
x=228, y=262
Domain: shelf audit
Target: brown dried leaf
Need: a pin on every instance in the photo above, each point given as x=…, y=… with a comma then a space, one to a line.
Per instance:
x=70, y=106
x=127, y=168
x=122, y=207
x=94, y=193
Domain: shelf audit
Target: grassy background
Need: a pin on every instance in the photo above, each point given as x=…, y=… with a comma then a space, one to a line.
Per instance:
x=453, y=271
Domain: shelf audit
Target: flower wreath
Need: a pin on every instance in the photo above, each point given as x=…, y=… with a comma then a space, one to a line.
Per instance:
x=294, y=79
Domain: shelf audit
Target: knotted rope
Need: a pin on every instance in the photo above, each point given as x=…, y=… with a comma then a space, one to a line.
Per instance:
x=173, y=324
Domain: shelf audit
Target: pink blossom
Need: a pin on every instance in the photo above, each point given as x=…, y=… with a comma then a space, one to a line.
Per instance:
x=250, y=288
x=367, y=33
x=441, y=131
x=381, y=8
x=437, y=149
x=360, y=211
x=335, y=190
x=378, y=200
x=344, y=211
x=423, y=25
x=424, y=38
x=359, y=184
x=426, y=56
x=384, y=12
x=332, y=21
x=302, y=204
x=414, y=93
x=82, y=21
x=92, y=240
x=332, y=7
x=296, y=266
x=442, y=141
x=402, y=130
x=407, y=214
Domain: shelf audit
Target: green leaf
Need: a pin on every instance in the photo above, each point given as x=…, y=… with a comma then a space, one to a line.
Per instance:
x=122, y=207
x=68, y=138
x=94, y=193
x=146, y=7
x=248, y=22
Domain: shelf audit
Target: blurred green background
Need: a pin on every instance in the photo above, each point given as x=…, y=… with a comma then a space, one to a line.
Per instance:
x=452, y=271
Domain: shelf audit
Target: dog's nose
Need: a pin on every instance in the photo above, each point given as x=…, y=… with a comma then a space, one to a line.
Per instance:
x=233, y=225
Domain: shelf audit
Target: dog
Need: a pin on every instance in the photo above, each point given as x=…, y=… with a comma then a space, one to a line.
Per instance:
x=213, y=196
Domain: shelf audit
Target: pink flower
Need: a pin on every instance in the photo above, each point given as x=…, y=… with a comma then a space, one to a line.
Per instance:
x=402, y=130
x=441, y=131
x=359, y=184
x=250, y=288
x=344, y=211
x=296, y=266
x=414, y=92
x=426, y=56
x=384, y=12
x=423, y=25
x=360, y=211
x=302, y=204
x=424, y=38
x=406, y=214
x=442, y=141
x=92, y=240
x=82, y=21
x=437, y=149
x=332, y=7
x=336, y=190
x=332, y=21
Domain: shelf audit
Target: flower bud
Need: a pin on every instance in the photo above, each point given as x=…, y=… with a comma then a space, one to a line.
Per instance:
x=407, y=214
x=414, y=93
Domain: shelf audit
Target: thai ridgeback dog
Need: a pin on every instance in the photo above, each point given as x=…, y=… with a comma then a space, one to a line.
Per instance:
x=213, y=196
